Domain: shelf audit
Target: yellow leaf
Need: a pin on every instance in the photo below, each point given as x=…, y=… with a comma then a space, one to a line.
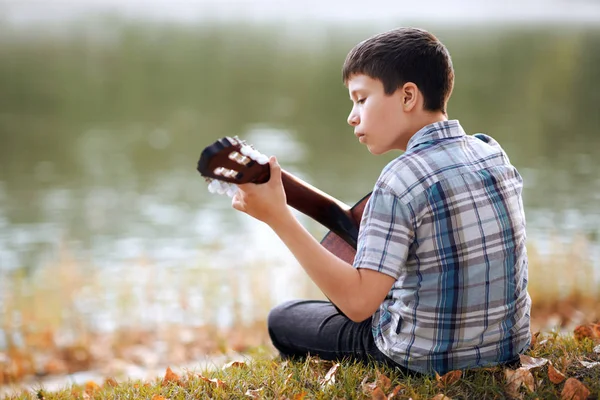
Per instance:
x=234, y=364
x=574, y=390
x=448, y=378
x=300, y=396
x=91, y=387
x=555, y=375
x=170, y=376
x=528, y=362
x=378, y=394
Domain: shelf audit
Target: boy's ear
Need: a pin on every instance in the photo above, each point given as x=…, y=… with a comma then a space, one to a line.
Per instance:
x=409, y=95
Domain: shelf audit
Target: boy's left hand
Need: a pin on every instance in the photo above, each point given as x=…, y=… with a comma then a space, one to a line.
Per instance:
x=267, y=201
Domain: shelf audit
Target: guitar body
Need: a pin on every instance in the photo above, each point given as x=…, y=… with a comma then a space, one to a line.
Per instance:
x=340, y=247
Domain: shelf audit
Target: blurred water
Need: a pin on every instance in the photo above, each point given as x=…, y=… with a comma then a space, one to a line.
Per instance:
x=102, y=121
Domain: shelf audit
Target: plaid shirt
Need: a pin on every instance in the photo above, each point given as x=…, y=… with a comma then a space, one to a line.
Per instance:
x=446, y=220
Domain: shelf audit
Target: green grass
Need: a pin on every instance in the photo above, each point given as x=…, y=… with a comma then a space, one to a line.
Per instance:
x=263, y=376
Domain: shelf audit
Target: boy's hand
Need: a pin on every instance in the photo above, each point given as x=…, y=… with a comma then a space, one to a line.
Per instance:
x=266, y=202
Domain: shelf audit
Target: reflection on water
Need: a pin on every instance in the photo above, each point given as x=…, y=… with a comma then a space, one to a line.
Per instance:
x=100, y=139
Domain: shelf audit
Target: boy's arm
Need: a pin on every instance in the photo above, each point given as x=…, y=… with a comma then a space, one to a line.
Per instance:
x=357, y=292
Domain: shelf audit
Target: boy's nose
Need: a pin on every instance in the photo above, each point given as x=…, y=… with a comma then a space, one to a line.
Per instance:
x=353, y=119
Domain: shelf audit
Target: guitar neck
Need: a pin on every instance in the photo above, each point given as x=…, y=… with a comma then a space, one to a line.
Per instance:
x=323, y=208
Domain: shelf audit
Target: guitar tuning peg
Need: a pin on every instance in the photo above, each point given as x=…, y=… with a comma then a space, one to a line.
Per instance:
x=232, y=190
x=262, y=159
x=212, y=186
x=222, y=187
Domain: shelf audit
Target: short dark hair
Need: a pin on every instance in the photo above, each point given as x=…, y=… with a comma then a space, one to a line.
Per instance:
x=405, y=55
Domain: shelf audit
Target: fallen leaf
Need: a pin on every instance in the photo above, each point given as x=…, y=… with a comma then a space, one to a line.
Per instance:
x=395, y=392
x=91, y=387
x=574, y=390
x=300, y=396
x=158, y=397
x=170, y=376
x=440, y=396
x=254, y=393
x=534, y=339
x=596, y=330
x=517, y=378
x=110, y=382
x=588, y=364
x=528, y=362
x=330, y=376
x=234, y=364
x=555, y=375
x=383, y=382
x=597, y=349
x=217, y=382
x=378, y=394
x=367, y=387
x=583, y=331
x=448, y=378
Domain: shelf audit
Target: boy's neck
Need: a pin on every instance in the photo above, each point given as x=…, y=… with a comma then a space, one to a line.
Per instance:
x=429, y=117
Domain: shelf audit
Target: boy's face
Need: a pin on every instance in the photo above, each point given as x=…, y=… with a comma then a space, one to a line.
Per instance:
x=380, y=121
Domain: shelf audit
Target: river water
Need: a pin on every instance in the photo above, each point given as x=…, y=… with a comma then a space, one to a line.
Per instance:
x=103, y=117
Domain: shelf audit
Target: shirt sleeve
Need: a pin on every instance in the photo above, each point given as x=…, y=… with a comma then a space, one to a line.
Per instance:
x=386, y=234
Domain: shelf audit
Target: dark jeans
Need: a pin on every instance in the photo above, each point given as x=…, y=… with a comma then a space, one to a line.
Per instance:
x=302, y=327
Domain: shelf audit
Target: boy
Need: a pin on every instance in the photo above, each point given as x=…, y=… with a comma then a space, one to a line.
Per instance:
x=439, y=281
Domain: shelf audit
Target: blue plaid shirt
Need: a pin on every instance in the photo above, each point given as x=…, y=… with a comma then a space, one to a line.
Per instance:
x=446, y=220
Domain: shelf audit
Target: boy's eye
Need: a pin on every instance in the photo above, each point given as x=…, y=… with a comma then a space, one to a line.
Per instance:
x=361, y=101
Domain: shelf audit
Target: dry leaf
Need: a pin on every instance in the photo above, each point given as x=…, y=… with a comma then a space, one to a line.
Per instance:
x=254, y=393
x=158, y=397
x=367, y=387
x=528, y=362
x=517, y=378
x=300, y=396
x=555, y=375
x=574, y=390
x=583, y=331
x=448, y=378
x=588, y=364
x=234, y=364
x=91, y=387
x=395, y=392
x=534, y=340
x=440, y=396
x=330, y=376
x=383, y=382
x=170, y=376
x=110, y=382
x=217, y=382
x=378, y=394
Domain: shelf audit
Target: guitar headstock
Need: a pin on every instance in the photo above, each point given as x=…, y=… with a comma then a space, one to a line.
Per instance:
x=233, y=161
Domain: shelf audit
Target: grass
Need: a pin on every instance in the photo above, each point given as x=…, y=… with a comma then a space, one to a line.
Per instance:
x=265, y=377
x=48, y=325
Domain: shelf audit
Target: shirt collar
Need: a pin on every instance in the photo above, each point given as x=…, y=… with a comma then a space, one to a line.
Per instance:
x=436, y=131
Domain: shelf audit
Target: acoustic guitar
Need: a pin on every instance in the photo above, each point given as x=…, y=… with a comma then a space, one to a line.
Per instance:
x=230, y=161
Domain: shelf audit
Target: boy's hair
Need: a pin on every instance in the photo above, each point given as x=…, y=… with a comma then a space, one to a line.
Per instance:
x=405, y=55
